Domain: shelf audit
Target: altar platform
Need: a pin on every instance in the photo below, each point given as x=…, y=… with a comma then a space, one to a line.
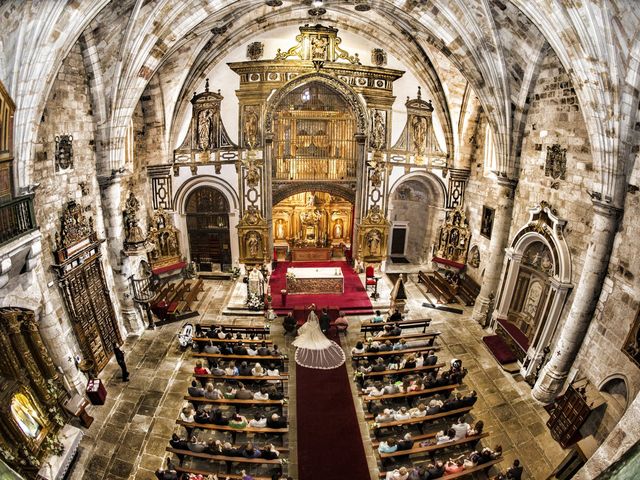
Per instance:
x=314, y=280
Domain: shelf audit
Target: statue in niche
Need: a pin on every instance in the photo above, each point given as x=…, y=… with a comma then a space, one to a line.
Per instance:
x=280, y=229
x=205, y=126
x=337, y=229
x=250, y=128
x=319, y=48
x=474, y=260
x=134, y=234
x=378, y=131
x=373, y=242
x=253, y=245
x=26, y=416
x=419, y=125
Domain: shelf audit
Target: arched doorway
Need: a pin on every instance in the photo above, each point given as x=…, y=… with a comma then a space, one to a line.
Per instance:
x=535, y=284
x=207, y=214
x=415, y=211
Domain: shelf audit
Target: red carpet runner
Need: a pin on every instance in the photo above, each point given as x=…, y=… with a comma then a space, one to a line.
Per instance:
x=329, y=440
x=354, y=298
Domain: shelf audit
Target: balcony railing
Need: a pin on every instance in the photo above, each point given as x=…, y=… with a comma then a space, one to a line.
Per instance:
x=16, y=218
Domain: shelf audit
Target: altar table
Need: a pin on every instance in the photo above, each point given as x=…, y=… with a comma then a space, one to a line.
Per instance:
x=315, y=280
x=310, y=254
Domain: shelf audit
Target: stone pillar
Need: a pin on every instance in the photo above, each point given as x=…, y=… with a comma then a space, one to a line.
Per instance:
x=55, y=339
x=499, y=239
x=360, y=207
x=111, y=195
x=552, y=378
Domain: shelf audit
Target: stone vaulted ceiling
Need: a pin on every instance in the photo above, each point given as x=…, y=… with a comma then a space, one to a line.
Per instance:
x=496, y=45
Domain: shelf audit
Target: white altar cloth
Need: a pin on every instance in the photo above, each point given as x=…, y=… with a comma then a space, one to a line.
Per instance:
x=315, y=280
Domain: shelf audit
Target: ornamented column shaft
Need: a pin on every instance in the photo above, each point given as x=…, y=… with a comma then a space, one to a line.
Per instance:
x=44, y=360
x=499, y=240
x=22, y=349
x=587, y=293
x=111, y=195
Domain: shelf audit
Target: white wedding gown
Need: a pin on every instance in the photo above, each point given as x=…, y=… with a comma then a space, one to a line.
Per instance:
x=314, y=350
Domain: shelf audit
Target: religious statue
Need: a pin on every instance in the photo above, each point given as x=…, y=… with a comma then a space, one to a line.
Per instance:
x=419, y=134
x=26, y=416
x=319, y=48
x=133, y=233
x=205, y=124
x=253, y=245
x=250, y=128
x=337, y=229
x=377, y=131
x=373, y=240
x=280, y=229
x=256, y=280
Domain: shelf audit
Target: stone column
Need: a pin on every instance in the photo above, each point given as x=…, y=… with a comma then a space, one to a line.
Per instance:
x=55, y=339
x=499, y=240
x=552, y=378
x=360, y=206
x=111, y=196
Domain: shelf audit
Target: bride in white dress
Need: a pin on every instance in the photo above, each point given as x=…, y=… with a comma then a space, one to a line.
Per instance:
x=314, y=350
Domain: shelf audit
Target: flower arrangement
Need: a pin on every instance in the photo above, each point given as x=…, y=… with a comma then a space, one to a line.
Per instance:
x=7, y=454
x=291, y=277
x=53, y=445
x=28, y=458
x=57, y=416
x=254, y=302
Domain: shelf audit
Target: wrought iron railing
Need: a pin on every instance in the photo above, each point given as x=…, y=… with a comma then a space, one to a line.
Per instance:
x=16, y=218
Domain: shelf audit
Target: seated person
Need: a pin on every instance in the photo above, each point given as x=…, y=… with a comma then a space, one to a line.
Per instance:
x=444, y=437
x=258, y=421
x=229, y=392
x=252, y=349
x=214, y=447
x=168, y=474
x=435, y=406
x=372, y=346
x=195, y=390
x=218, y=418
x=202, y=415
x=195, y=445
x=273, y=371
x=402, y=414
x=243, y=394
x=415, y=386
x=263, y=350
x=211, y=348
x=377, y=318
x=199, y=369
x=250, y=451
x=486, y=454
x=269, y=452
x=229, y=450
x=276, y=421
x=375, y=390
x=401, y=473
x=275, y=352
x=215, y=369
x=275, y=394
x=258, y=371
x=187, y=414
x=406, y=443
x=231, y=369
x=461, y=428
x=359, y=348
x=388, y=446
x=262, y=394
x=179, y=444
x=395, y=331
x=408, y=362
x=431, y=358
x=240, y=349
x=289, y=323
x=386, y=346
x=341, y=323
x=238, y=421
x=469, y=399
x=477, y=429
x=454, y=466
x=391, y=389
x=394, y=363
x=435, y=469
x=396, y=316
x=419, y=411
x=387, y=415
x=400, y=345
x=244, y=370
x=379, y=365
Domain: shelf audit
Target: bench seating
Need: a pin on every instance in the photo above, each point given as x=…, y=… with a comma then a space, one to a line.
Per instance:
x=222, y=458
x=248, y=358
x=369, y=327
x=230, y=340
x=419, y=421
x=404, y=371
x=224, y=475
x=446, y=389
x=244, y=329
x=411, y=337
x=357, y=356
x=431, y=449
x=235, y=401
x=465, y=472
x=435, y=286
x=234, y=431
x=188, y=298
x=468, y=290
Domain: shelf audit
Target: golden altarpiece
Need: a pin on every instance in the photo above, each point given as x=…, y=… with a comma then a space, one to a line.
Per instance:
x=31, y=394
x=314, y=124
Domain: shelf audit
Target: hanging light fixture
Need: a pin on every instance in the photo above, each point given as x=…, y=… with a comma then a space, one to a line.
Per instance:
x=317, y=9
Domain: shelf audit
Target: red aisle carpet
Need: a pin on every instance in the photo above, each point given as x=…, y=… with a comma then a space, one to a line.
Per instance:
x=354, y=298
x=329, y=440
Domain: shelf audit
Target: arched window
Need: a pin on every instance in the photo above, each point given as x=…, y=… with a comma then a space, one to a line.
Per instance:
x=490, y=161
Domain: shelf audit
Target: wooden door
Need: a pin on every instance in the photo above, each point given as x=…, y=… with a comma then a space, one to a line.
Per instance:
x=208, y=228
x=398, y=239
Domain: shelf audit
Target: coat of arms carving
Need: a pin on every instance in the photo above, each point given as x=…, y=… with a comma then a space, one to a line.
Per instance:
x=556, y=162
x=64, y=152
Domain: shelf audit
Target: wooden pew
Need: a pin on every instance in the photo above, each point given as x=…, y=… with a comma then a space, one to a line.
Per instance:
x=227, y=460
x=234, y=431
x=283, y=377
x=248, y=358
x=468, y=290
x=409, y=396
x=464, y=473
x=244, y=329
x=391, y=353
x=231, y=340
x=236, y=402
x=431, y=449
x=185, y=305
x=442, y=291
x=233, y=476
x=369, y=327
x=410, y=337
x=405, y=371
x=418, y=421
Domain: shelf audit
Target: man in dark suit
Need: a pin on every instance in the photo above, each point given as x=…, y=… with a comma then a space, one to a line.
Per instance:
x=325, y=321
x=121, y=362
x=515, y=471
x=276, y=421
x=195, y=390
x=240, y=349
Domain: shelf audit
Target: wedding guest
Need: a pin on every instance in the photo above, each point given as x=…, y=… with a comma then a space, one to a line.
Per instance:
x=258, y=371
x=276, y=421
x=244, y=370
x=258, y=421
x=388, y=446
x=377, y=318
x=238, y=421
x=195, y=390
x=341, y=323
